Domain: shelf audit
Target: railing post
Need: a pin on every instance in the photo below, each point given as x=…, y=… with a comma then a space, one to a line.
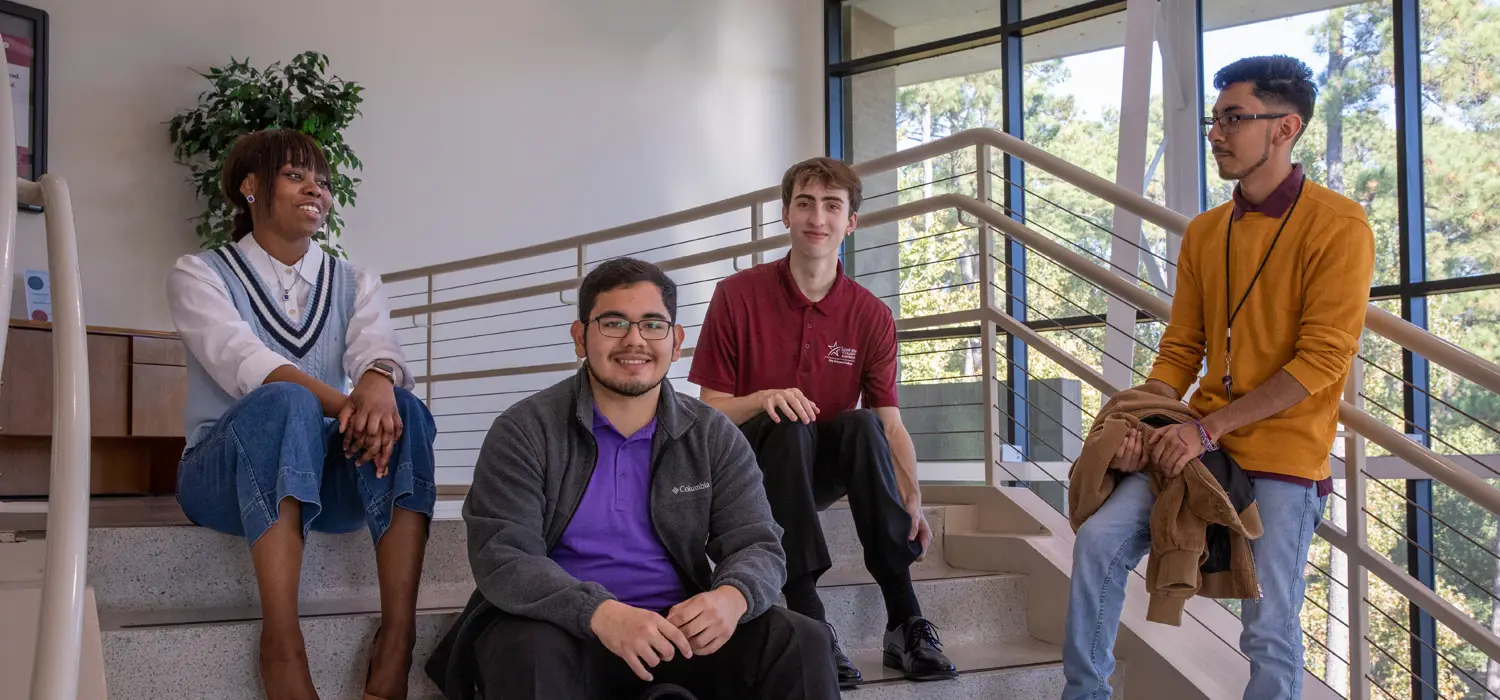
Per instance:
x=757, y=222
x=986, y=250
x=1359, y=577
x=431, y=370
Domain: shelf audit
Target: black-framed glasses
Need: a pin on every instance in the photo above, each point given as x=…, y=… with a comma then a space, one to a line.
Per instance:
x=619, y=327
x=1230, y=123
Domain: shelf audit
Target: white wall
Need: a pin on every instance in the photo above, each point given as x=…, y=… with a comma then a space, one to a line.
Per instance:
x=487, y=125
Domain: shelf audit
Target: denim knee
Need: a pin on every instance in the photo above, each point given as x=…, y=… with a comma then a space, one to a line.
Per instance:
x=413, y=410
x=1096, y=543
x=419, y=432
x=285, y=401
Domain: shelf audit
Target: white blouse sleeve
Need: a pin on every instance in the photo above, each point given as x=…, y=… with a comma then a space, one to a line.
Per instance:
x=213, y=331
x=371, y=336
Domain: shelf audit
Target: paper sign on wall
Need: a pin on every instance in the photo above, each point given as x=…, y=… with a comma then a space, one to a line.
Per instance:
x=38, y=295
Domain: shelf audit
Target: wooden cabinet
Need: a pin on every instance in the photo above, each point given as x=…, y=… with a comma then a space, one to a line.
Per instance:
x=137, y=389
x=26, y=398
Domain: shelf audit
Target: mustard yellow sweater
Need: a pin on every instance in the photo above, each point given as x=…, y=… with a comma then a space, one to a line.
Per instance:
x=1305, y=315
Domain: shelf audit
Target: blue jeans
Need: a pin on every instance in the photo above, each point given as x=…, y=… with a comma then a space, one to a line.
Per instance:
x=1112, y=542
x=275, y=443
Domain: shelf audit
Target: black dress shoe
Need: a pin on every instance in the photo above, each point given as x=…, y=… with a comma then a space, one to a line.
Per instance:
x=667, y=691
x=914, y=650
x=849, y=675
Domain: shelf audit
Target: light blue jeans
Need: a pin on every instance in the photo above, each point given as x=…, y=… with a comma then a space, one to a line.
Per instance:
x=1112, y=542
x=275, y=443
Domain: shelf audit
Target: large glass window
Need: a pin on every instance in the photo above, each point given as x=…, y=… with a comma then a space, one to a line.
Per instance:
x=1461, y=136
x=1069, y=97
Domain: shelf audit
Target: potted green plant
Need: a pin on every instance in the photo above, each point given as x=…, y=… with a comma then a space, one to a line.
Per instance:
x=244, y=99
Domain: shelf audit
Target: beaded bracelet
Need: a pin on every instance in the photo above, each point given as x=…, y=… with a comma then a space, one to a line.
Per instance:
x=1208, y=444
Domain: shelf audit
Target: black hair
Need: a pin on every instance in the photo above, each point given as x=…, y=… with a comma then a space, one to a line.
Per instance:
x=624, y=272
x=262, y=154
x=1280, y=80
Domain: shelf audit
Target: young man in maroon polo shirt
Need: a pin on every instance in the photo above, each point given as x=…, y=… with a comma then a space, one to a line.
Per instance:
x=786, y=351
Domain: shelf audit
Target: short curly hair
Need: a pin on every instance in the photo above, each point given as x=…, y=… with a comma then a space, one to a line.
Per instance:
x=1280, y=80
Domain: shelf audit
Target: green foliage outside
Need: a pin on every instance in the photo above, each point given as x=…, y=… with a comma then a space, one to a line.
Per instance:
x=244, y=99
x=1351, y=147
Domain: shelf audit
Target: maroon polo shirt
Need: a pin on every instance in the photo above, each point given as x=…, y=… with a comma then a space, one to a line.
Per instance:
x=761, y=332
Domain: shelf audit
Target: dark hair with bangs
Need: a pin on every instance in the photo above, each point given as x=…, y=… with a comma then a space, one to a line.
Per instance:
x=262, y=154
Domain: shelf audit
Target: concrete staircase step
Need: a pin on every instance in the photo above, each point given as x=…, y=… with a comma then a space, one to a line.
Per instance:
x=172, y=662
x=848, y=555
x=1017, y=668
x=137, y=569
x=158, y=653
x=219, y=661
x=983, y=610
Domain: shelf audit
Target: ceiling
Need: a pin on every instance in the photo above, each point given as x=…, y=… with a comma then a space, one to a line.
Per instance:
x=919, y=21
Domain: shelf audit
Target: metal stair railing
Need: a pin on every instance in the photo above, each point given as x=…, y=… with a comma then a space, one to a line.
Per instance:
x=985, y=318
x=60, y=632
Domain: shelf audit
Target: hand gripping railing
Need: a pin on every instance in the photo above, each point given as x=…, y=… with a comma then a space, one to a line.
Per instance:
x=60, y=631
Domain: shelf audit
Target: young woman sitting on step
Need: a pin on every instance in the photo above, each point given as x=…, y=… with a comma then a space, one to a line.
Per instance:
x=278, y=333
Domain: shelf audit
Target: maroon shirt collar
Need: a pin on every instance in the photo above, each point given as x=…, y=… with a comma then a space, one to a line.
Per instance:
x=794, y=296
x=1275, y=205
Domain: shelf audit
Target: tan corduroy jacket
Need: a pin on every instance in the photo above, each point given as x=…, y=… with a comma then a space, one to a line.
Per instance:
x=1186, y=505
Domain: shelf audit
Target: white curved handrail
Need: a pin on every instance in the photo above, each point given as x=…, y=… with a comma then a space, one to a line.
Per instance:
x=60, y=637
x=59, y=640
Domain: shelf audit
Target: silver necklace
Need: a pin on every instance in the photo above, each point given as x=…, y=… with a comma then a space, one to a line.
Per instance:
x=286, y=291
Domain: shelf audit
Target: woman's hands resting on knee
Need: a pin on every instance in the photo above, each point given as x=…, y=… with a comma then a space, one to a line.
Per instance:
x=371, y=422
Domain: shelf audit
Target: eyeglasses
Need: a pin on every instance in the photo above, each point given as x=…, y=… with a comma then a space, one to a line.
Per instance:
x=1230, y=123
x=651, y=328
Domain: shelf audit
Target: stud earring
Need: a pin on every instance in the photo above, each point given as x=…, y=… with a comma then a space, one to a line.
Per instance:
x=250, y=198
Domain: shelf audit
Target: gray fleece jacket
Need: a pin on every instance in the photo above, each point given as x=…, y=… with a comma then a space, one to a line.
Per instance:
x=707, y=503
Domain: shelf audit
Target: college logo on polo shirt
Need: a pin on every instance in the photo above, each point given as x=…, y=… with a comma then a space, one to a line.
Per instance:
x=840, y=355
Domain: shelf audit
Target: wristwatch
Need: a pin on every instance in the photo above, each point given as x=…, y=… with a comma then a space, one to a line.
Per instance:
x=384, y=368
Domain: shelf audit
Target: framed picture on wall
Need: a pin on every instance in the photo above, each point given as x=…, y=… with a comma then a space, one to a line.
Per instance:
x=24, y=33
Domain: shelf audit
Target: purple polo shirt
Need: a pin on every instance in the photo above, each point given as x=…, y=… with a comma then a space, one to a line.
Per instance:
x=610, y=540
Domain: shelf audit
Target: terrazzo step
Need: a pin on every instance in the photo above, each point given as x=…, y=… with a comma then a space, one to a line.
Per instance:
x=219, y=661
x=1019, y=669
x=848, y=554
x=138, y=569
x=969, y=610
x=191, y=662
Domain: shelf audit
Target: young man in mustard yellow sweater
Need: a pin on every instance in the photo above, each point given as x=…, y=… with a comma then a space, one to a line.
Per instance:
x=1271, y=291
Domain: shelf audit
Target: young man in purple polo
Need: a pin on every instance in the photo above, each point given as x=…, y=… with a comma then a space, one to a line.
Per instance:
x=787, y=350
x=597, y=507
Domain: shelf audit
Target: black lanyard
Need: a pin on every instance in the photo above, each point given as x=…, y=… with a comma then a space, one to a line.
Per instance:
x=1228, y=290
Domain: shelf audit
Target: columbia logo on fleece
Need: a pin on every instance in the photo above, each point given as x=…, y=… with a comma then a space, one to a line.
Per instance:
x=689, y=489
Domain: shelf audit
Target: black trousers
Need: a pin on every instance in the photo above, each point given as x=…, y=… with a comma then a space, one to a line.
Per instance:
x=809, y=467
x=778, y=656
